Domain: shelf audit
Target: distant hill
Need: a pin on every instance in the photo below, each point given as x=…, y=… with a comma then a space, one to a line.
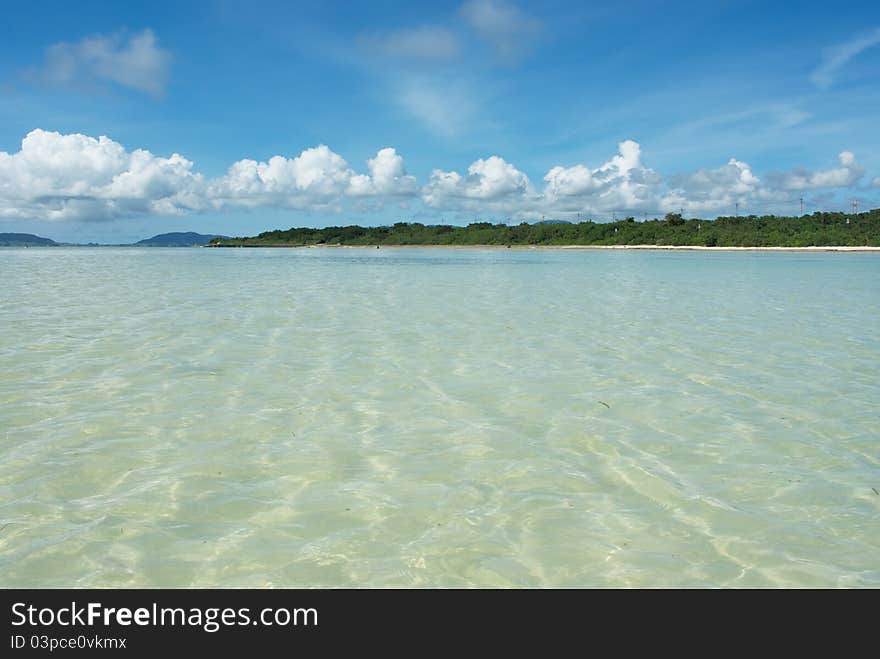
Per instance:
x=23, y=240
x=553, y=222
x=178, y=239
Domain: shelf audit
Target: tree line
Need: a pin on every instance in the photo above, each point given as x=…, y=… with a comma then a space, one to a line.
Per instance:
x=816, y=229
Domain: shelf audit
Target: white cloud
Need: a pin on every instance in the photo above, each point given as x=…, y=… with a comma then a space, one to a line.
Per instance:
x=504, y=25
x=712, y=190
x=719, y=190
x=316, y=178
x=429, y=42
x=735, y=177
x=491, y=184
x=846, y=175
x=77, y=177
x=621, y=183
x=836, y=57
x=387, y=177
x=60, y=177
x=137, y=62
x=493, y=178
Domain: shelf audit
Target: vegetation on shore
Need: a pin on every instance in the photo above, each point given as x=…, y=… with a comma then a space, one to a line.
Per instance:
x=818, y=229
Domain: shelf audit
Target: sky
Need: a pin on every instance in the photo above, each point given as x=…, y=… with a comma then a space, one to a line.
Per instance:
x=119, y=121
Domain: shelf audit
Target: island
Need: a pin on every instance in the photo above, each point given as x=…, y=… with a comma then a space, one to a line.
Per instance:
x=853, y=230
x=178, y=239
x=25, y=240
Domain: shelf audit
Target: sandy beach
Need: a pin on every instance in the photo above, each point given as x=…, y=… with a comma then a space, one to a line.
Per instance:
x=685, y=248
x=701, y=248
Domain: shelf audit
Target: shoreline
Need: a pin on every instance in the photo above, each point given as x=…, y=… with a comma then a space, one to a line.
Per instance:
x=667, y=248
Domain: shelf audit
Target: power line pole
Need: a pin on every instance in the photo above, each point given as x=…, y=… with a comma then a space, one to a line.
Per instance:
x=802, y=206
x=737, y=209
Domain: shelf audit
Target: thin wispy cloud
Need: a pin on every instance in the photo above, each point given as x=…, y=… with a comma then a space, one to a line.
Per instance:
x=778, y=115
x=429, y=43
x=135, y=61
x=836, y=57
x=420, y=66
x=505, y=26
x=446, y=107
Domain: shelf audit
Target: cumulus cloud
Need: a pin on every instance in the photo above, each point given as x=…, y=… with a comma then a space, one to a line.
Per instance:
x=833, y=59
x=717, y=190
x=504, y=25
x=622, y=182
x=77, y=177
x=735, y=177
x=387, y=177
x=60, y=177
x=314, y=179
x=491, y=183
x=847, y=174
x=136, y=62
x=709, y=190
x=426, y=43
x=625, y=184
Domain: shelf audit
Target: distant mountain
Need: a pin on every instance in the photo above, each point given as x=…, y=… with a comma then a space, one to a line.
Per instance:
x=553, y=222
x=177, y=239
x=23, y=240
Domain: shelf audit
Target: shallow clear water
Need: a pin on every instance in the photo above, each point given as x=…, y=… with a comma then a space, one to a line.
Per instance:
x=417, y=417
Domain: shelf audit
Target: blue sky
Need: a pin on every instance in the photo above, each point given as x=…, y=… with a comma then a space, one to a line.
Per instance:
x=235, y=117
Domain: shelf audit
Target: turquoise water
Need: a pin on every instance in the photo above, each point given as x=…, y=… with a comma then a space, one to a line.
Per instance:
x=429, y=417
